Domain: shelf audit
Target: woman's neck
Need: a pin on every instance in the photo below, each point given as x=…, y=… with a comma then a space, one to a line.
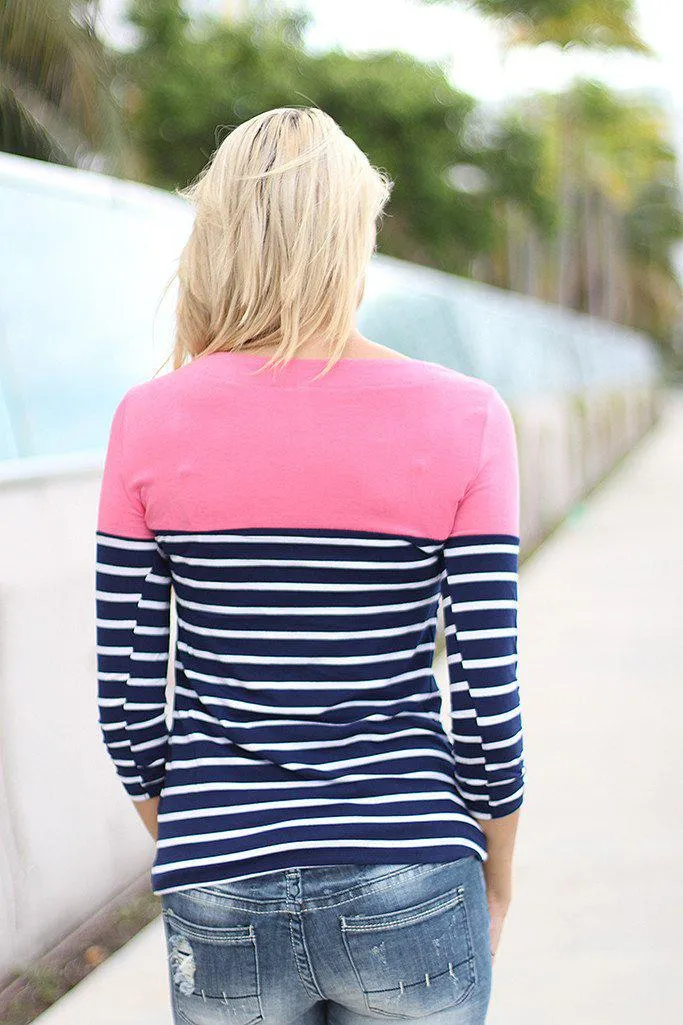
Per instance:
x=356, y=347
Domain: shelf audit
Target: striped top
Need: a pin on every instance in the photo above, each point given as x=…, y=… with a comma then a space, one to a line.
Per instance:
x=303, y=534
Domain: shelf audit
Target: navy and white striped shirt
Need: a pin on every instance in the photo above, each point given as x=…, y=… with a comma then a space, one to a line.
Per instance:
x=299, y=536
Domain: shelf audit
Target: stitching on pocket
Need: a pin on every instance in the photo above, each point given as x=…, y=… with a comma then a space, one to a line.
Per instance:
x=377, y=999
x=211, y=933
x=396, y=919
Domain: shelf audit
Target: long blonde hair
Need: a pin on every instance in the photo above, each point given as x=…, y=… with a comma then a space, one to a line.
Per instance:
x=285, y=217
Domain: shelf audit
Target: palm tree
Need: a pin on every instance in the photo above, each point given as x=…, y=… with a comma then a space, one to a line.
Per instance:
x=607, y=160
x=598, y=24
x=56, y=77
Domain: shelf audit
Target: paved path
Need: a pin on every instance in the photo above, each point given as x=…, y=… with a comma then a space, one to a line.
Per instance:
x=594, y=936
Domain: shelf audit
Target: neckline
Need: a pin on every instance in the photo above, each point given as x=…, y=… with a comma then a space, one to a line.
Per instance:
x=314, y=359
x=301, y=370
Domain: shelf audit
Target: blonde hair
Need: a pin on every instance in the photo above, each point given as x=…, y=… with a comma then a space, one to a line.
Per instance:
x=285, y=218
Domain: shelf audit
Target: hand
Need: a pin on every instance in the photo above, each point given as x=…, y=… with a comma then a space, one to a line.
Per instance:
x=500, y=840
x=498, y=909
x=148, y=812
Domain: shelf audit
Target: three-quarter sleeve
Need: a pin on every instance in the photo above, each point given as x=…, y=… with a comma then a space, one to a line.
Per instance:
x=133, y=601
x=479, y=590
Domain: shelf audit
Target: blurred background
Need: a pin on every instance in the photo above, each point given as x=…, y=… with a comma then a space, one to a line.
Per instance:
x=535, y=239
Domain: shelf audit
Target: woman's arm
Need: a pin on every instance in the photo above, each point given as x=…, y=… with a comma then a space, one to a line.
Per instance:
x=479, y=587
x=500, y=840
x=148, y=810
x=133, y=601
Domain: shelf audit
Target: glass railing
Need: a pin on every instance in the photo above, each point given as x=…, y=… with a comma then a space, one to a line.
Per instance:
x=85, y=312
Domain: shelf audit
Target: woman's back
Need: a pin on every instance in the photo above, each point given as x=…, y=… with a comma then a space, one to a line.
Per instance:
x=307, y=529
x=320, y=835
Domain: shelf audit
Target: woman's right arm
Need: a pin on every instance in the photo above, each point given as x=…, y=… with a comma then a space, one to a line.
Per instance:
x=500, y=840
x=479, y=588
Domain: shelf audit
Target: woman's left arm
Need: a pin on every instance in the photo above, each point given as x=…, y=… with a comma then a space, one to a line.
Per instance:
x=148, y=812
x=133, y=600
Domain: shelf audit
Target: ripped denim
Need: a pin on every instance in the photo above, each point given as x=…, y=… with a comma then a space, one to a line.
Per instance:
x=335, y=944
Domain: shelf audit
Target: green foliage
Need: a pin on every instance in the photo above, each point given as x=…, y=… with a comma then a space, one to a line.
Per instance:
x=627, y=155
x=56, y=102
x=612, y=171
x=189, y=79
x=411, y=122
x=516, y=164
x=655, y=222
x=22, y=134
x=598, y=24
x=534, y=10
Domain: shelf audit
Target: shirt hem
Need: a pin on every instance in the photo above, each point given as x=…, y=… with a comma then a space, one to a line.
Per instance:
x=321, y=858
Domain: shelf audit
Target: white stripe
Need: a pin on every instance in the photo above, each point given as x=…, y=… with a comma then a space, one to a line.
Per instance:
x=160, y=681
x=148, y=743
x=490, y=692
x=305, y=784
x=312, y=635
x=487, y=634
x=306, y=610
x=314, y=709
x=482, y=604
x=333, y=820
x=489, y=663
x=298, y=745
x=143, y=725
x=299, y=710
x=383, y=756
x=477, y=578
x=306, y=802
x=493, y=745
x=493, y=720
x=287, y=685
x=340, y=842
x=494, y=766
x=326, y=564
x=237, y=658
x=295, y=539
x=504, y=800
x=279, y=585
x=121, y=571
x=453, y=551
x=130, y=544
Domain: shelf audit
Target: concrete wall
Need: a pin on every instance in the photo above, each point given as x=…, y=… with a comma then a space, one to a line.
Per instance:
x=69, y=839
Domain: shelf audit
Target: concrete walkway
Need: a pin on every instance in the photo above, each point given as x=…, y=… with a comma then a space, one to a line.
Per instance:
x=594, y=934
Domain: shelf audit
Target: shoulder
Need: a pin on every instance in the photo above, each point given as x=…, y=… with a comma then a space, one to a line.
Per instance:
x=459, y=391
x=151, y=398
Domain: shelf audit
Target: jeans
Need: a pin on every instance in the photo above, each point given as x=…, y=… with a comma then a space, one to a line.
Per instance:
x=332, y=945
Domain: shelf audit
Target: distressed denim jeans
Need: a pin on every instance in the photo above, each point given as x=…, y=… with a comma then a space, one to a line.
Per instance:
x=332, y=945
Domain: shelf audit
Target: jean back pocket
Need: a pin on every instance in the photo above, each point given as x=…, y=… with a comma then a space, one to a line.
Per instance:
x=415, y=961
x=214, y=972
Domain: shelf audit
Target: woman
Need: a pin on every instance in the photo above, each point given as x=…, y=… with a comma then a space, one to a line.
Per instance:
x=325, y=850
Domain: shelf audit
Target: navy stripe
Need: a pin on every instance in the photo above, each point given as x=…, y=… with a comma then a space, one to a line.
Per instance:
x=479, y=588
x=306, y=718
